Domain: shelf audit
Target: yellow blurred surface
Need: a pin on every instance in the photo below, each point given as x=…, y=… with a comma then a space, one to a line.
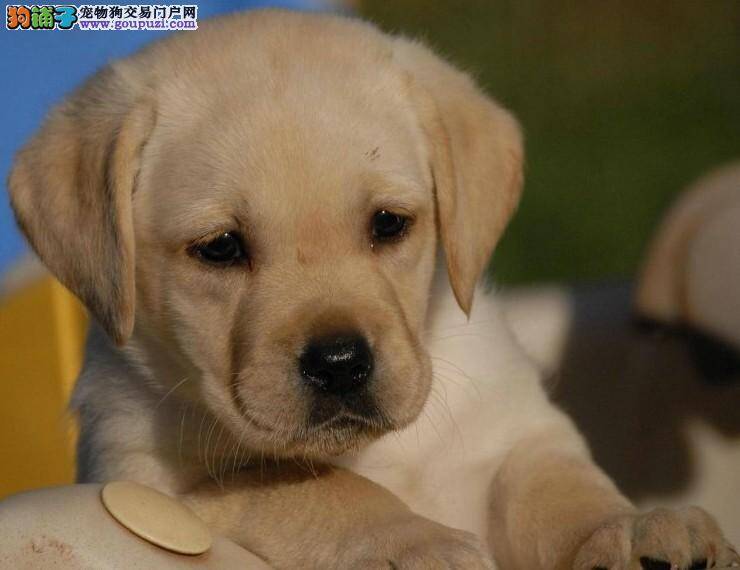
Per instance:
x=42, y=335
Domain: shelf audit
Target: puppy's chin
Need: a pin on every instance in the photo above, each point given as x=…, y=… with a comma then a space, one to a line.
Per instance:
x=345, y=434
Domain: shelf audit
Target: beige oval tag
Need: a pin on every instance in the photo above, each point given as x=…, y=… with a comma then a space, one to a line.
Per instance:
x=156, y=517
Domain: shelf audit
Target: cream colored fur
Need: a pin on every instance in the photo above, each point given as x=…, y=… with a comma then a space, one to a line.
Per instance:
x=293, y=130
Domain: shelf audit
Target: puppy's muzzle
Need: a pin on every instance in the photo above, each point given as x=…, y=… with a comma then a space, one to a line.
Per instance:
x=338, y=366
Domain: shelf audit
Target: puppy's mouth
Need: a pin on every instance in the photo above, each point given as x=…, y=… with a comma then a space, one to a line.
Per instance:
x=343, y=432
x=327, y=408
x=332, y=426
x=340, y=419
x=345, y=421
x=348, y=422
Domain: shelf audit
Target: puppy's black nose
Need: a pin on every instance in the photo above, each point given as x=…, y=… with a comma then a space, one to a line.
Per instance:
x=337, y=365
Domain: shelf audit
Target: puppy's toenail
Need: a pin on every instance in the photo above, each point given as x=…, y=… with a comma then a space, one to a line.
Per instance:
x=653, y=564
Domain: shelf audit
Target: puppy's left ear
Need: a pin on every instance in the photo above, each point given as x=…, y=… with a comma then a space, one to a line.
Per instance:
x=477, y=160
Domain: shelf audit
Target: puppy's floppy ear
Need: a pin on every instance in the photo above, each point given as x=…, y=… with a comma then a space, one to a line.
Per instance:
x=477, y=155
x=71, y=189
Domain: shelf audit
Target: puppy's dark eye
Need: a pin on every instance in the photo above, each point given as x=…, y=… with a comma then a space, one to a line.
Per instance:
x=224, y=249
x=387, y=225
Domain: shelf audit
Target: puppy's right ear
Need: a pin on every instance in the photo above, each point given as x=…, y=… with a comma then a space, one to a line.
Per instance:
x=71, y=189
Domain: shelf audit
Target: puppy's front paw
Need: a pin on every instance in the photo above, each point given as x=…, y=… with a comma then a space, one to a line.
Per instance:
x=415, y=543
x=659, y=540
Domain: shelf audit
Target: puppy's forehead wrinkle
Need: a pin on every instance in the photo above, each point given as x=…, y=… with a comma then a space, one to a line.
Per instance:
x=373, y=154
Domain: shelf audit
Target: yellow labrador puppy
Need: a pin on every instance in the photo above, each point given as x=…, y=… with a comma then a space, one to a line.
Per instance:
x=252, y=212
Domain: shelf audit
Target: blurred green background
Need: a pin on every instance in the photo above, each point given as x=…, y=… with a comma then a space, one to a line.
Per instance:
x=623, y=104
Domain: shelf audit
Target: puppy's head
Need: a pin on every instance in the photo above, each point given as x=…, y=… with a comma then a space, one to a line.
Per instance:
x=255, y=207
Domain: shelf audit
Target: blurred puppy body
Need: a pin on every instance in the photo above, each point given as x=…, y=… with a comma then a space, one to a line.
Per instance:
x=611, y=351
x=252, y=212
x=605, y=370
